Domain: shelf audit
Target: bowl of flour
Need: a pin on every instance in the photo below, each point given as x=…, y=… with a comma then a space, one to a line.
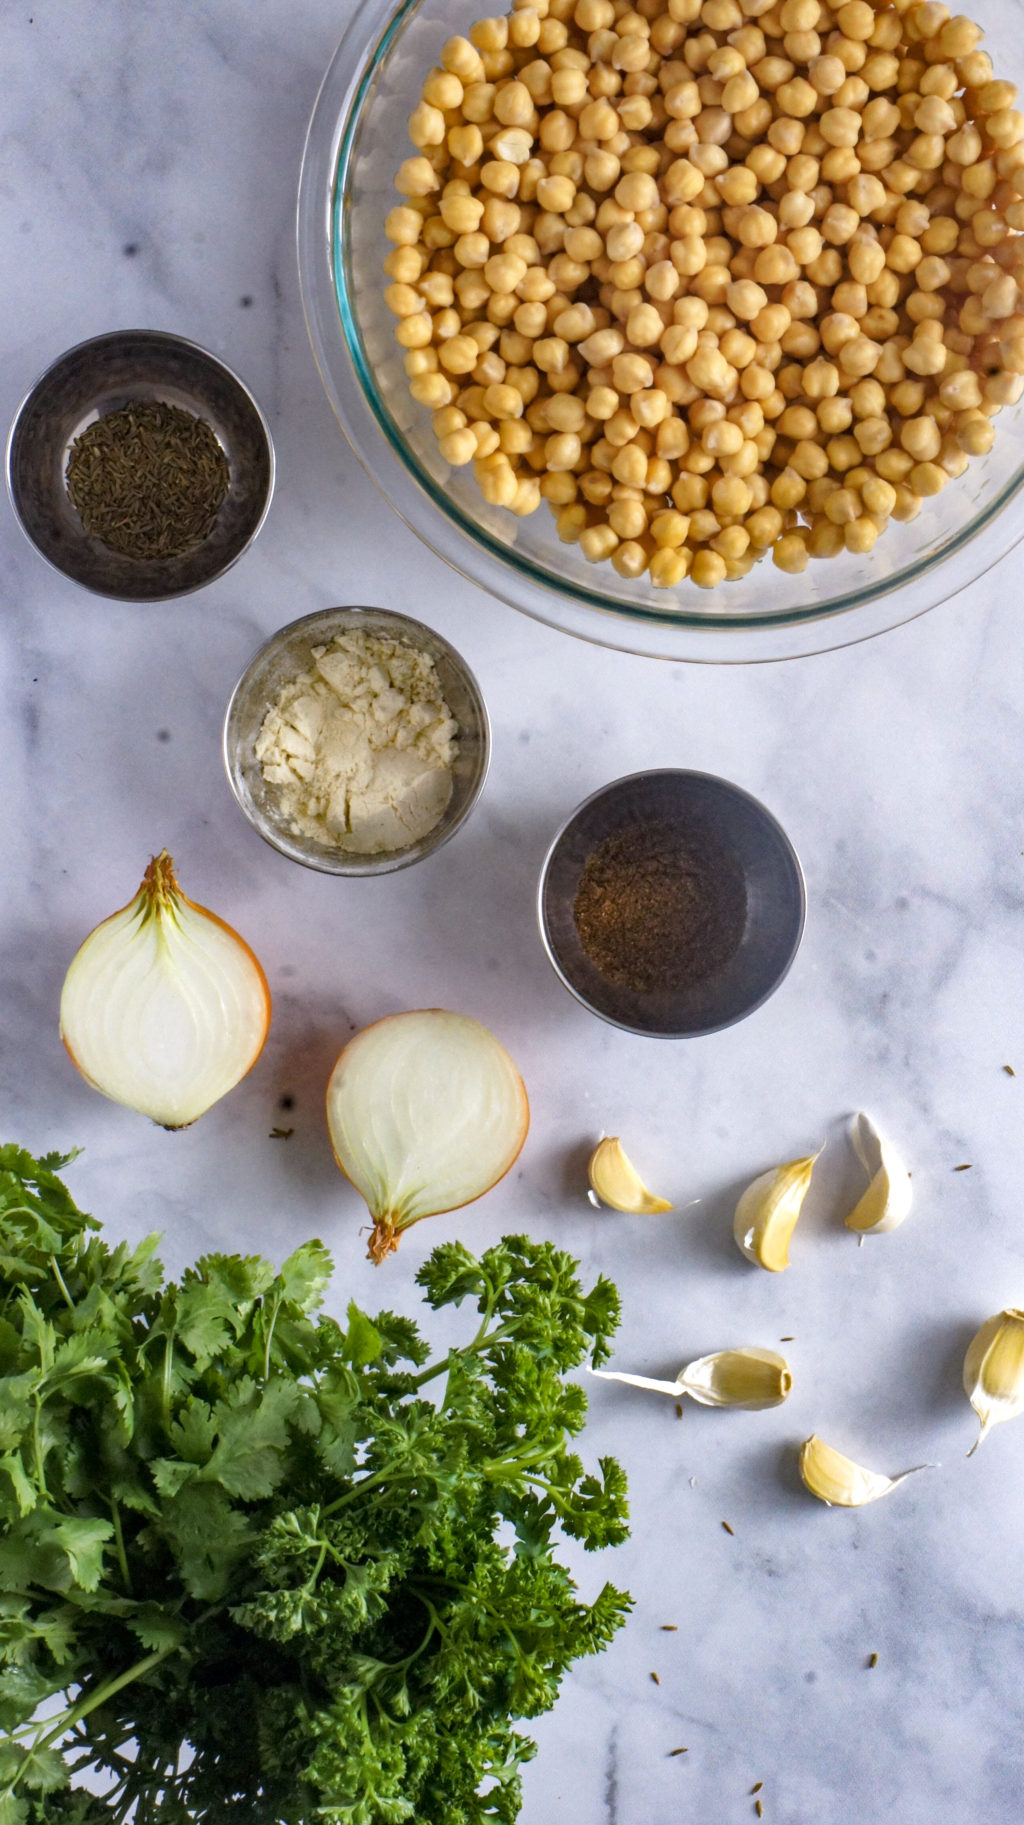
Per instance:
x=356, y=741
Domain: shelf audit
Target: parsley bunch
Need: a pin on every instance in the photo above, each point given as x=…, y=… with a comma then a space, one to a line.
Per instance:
x=252, y=1562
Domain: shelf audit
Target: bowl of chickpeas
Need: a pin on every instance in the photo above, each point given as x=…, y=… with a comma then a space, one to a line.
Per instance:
x=669, y=322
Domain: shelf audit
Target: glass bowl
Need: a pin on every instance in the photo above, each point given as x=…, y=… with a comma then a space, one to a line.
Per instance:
x=356, y=140
x=702, y=809
x=288, y=653
x=102, y=376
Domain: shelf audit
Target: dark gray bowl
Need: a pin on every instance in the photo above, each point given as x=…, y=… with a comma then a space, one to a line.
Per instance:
x=102, y=376
x=774, y=888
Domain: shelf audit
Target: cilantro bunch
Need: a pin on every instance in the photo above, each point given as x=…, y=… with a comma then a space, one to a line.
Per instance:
x=253, y=1564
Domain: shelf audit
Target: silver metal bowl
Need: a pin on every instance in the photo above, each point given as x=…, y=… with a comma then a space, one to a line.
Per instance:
x=288, y=653
x=102, y=376
x=747, y=832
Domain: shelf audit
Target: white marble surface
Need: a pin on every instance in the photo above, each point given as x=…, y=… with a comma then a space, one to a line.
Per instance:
x=148, y=172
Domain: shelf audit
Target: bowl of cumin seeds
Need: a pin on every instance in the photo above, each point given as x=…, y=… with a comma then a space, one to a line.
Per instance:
x=140, y=466
x=671, y=903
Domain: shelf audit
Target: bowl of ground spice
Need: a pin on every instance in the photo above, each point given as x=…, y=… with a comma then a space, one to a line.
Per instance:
x=140, y=466
x=356, y=741
x=671, y=903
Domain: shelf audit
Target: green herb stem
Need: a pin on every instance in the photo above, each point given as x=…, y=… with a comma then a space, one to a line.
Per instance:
x=51, y=1732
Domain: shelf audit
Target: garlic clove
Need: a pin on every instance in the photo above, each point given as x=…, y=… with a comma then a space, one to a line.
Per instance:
x=888, y=1196
x=731, y=1378
x=767, y=1212
x=839, y=1482
x=617, y=1183
x=749, y=1378
x=994, y=1372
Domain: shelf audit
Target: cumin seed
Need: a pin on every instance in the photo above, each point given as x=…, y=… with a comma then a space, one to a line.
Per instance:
x=1010, y=1072
x=872, y=1660
x=728, y=1529
x=670, y=1628
x=655, y=1678
x=759, y=1809
x=965, y=1168
x=679, y=1752
x=756, y=1788
x=679, y=1409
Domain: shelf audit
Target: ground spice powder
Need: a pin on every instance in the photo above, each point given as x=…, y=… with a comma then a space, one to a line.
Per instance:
x=660, y=906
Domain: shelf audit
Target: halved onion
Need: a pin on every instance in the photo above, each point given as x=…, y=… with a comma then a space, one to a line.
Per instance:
x=426, y=1111
x=164, y=1007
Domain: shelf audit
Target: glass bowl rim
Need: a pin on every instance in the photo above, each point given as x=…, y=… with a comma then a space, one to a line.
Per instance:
x=468, y=547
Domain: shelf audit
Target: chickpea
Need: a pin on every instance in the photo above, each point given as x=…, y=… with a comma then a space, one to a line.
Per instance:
x=790, y=553
x=800, y=238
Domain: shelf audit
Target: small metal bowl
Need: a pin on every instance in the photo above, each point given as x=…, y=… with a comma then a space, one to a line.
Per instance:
x=102, y=376
x=282, y=658
x=775, y=901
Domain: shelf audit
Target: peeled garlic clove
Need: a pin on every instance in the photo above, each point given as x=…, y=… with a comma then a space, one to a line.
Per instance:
x=738, y=1378
x=994, y=1372
x=164, y=1007
x=888, y=1197
x=617, y=1183
x=839, y=1482
x=767, y=1212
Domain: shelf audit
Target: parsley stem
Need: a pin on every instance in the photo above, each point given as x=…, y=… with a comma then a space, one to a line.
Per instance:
x=483, y=1336
x=58, y=1276
x=165, y=1386
x=368, y=1482
x=84, y=1707
x=122, y=1557
x=270, y=1335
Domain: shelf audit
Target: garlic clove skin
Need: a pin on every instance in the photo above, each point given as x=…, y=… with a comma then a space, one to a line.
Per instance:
x=616, y=1182
x=888, y=1197
x=750, y=1378
x=767, y=1213
x=839, y=1482
x=164, y=1007
x=994, y=1371
x=640, y=1381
